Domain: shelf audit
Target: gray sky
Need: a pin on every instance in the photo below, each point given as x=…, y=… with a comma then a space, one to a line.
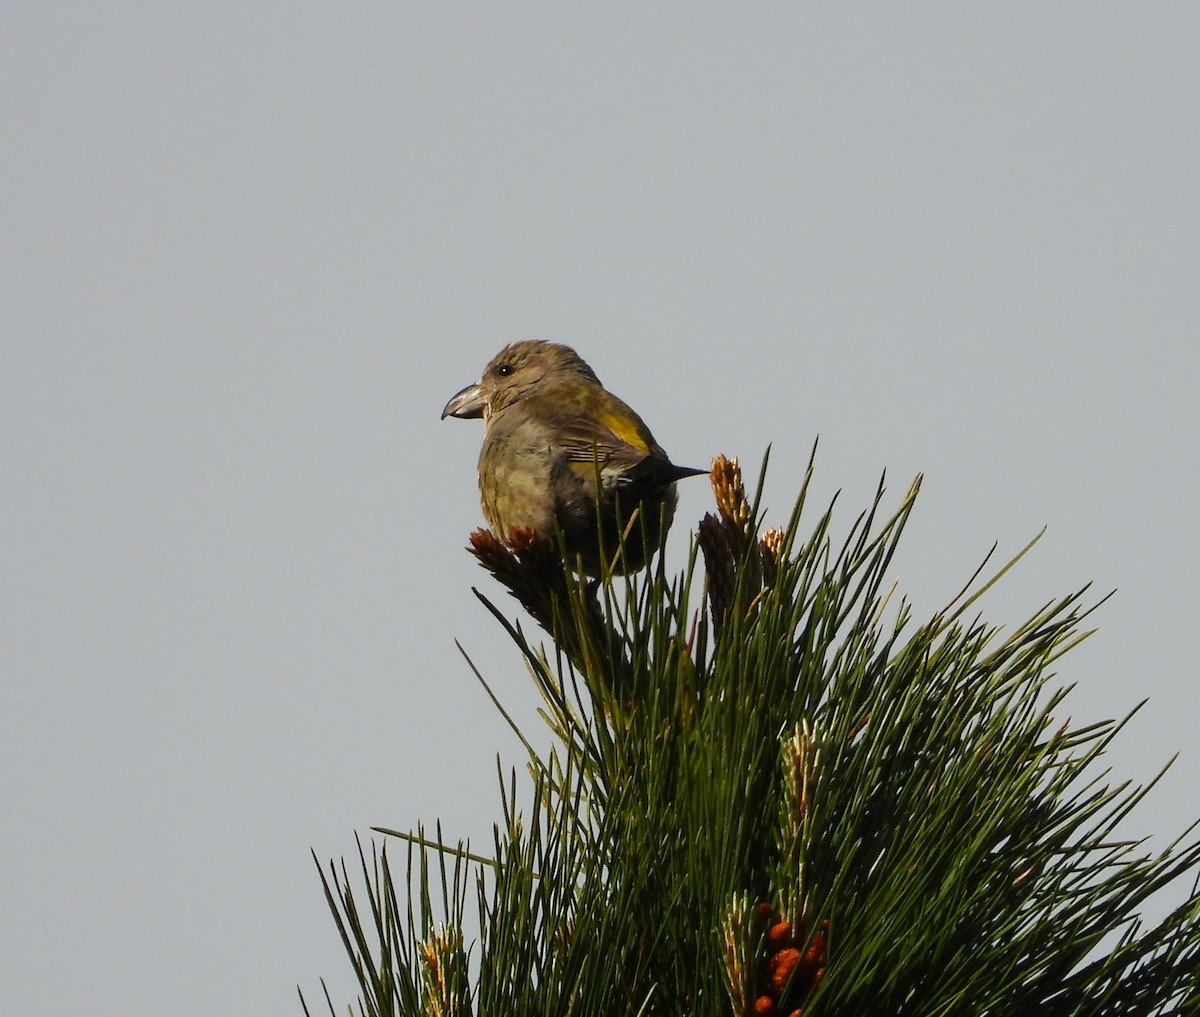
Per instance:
x=249, y=252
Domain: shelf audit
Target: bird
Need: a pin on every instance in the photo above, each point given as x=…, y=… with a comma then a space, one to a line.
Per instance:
x=562, y=454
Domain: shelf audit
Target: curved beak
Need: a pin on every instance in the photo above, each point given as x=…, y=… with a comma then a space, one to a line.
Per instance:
x=467, y=404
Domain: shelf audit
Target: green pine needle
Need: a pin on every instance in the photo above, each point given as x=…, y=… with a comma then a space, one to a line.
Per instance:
x=785, y=795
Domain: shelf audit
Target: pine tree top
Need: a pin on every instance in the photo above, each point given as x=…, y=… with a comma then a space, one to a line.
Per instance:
x=787, y=798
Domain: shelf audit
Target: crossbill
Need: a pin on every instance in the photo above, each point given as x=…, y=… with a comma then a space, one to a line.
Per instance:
x=563, y=454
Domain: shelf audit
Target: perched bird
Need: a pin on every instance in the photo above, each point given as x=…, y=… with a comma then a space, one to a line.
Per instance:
x=560, y=450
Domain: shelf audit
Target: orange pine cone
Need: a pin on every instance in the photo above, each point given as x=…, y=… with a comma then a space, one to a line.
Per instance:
x=779, y=935
x=814, y=956
x=780, y=967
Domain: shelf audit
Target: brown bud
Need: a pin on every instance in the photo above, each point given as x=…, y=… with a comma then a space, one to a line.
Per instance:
x=770, y=547
x=727, y=485
x=486, y=546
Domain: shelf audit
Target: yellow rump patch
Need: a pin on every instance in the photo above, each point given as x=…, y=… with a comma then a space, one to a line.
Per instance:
x=627, y=430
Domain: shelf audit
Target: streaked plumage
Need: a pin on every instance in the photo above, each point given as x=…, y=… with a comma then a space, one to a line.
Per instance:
x=552, y=430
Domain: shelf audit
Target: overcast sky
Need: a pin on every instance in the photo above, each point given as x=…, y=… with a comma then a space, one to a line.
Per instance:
x=251, y=249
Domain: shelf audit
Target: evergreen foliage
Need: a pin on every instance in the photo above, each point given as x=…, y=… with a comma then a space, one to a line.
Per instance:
x=792, y=799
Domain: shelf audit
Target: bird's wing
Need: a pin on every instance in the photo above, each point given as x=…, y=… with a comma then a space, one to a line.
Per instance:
x=612, y=440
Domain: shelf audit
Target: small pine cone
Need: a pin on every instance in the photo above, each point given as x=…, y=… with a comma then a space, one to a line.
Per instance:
x=780, y=967
x=779, y=935
x=764, y=1006
x=814, y=956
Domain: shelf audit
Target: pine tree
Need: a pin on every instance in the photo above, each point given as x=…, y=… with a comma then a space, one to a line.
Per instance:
x=790, y=800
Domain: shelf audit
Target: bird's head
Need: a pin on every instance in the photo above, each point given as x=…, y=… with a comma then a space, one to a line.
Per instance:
x=514, y=373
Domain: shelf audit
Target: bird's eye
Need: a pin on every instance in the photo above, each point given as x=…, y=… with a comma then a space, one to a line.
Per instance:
x=504, y=370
